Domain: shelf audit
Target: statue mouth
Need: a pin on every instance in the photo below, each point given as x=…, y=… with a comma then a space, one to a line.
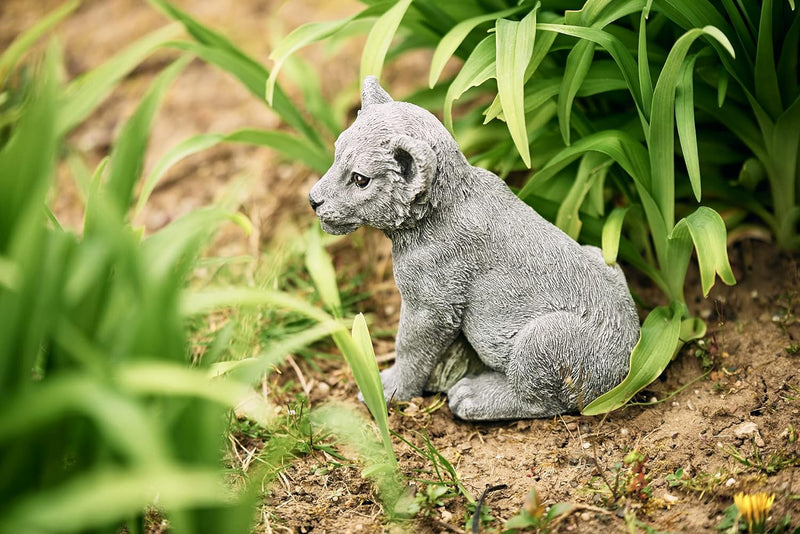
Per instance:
x=337, y=228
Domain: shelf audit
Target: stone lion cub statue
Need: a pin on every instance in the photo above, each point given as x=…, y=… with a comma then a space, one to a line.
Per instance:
x=479, y=271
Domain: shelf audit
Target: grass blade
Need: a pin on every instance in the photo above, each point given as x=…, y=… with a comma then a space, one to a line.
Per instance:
x=107, y=494
x=127, y=156
x=380, y=38
x=453, y=39
x=514, y=47
x=20, y=45
x=320, y=267
x=87, y=91
x=657, y=344
x=297, y=39
x=365, y=365
x=293, y=147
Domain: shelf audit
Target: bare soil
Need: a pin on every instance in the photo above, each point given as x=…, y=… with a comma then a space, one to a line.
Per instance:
x=738, y=395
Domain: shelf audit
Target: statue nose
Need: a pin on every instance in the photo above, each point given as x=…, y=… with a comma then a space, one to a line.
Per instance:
x=314, y=203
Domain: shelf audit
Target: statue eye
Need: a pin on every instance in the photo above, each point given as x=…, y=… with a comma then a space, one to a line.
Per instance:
x=360, y=180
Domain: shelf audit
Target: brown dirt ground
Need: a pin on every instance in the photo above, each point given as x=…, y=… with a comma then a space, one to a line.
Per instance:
x=745, y=405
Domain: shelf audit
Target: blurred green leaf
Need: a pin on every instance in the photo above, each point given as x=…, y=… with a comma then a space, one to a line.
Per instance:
x=107, y=494
x=293, y=147
x=24, y=41
x=87, y=91
x=320, y=267
x=127, y=156
x=300, y=37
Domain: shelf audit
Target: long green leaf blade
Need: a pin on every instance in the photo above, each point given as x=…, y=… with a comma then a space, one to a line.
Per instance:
x=85, y=93
x=612, y=232
x=479, y=67
x=299, y=38
x=658, y=343
x=684, y=119
x=514, y=47
x=453, y=39
x=380, y=38
x=578, y=62
x=26, y=40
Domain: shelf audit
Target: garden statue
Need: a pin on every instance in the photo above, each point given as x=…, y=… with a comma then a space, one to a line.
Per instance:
x=480, y=274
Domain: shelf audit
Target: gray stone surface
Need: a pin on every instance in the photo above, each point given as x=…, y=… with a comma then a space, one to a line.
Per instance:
x=553, y=325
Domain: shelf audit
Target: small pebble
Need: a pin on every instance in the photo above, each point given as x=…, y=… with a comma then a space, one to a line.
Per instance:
x=586, y=516
x=730, y=482
x=572, y=426
x=624, y=431
x=586, y=445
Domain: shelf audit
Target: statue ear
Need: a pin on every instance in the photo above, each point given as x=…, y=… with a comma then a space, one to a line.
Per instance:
x=417, y=163
x=373, y=93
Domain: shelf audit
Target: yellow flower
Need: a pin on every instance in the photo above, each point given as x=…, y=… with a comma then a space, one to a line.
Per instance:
x=754, y=509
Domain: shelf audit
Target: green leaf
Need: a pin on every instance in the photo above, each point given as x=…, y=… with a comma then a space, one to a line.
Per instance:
x=578, y=62
x=86, y=92
x=612, y=231
x=684, y=119
x=23, y=42
x=106, y=494
x=365, y=370
x=199, y=302
x=704, y=229
x=320, y=267
x=292, y=147
x=27, y=160
x=127, y=156
x=765, y=73
x=380, y=38
x=559, y=508
x=170, y=379
x=658, y=342
x=453, y=39
x=592, y=168
x=514, y=47
x=618, y=145
x=479, y=67
x=645, y=82
x=618, y=51
x=218, y=50
x=300, y=37
x=661, y=140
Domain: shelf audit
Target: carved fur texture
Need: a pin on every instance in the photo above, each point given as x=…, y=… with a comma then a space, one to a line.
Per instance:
x=553, y=324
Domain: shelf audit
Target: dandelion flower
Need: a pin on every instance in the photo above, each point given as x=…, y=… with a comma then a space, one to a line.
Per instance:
x=754, y=509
